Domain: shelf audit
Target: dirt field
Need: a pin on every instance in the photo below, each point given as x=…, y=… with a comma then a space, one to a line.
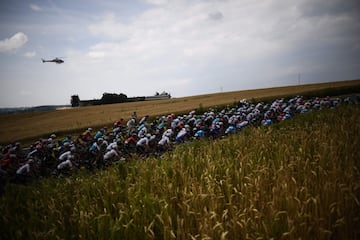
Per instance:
x=18, y=127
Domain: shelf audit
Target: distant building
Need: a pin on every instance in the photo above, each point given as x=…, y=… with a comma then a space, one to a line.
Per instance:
x=157, y=96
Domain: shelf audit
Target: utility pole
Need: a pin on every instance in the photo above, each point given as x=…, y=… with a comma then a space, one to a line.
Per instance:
x=299, y=77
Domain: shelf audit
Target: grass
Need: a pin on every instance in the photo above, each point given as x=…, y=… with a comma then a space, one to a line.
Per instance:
x=296, y=180
x=28, y=126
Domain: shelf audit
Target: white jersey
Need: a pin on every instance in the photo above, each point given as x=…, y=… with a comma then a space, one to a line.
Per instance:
x=242, y=124
x=30, y=154
x=168, y=132
x=23, y=169
x=164, y=140
x=143, y=120
x=65, y=156
x=111, y=146
x=143, y=141
x=110, y=154
x=64, y=164
x=131, y=123
x=142, y=132
x=181, y=133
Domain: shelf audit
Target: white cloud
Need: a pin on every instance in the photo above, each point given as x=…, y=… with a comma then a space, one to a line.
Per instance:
x=217, y=15
x=185, y=44
x=36, y=8
x=177, y=32
x=108, y=26
x=187, y=47
x=30, y=54
x=157, y=2
x=96, y=55
x=186, y=28
x=11, y=44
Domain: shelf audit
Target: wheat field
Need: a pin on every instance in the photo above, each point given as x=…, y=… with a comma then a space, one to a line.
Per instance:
x=18, y=127
x=299, y=179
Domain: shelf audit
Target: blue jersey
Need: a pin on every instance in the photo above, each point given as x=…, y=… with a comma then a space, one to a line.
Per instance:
x=98, y=135
x=200, y=133
x=230, y=129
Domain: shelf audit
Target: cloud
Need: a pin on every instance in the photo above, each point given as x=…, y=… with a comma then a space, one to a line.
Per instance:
x=36, y=8
x=200, y=46
x=318, y=8
x=30, y=54
x=178, y=41
x=182, y=46
x=13, y=43
x=217, y=15
x=108, y=26
x=157, y=2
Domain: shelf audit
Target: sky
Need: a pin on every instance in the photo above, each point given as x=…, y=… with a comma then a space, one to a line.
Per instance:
x=183, y=47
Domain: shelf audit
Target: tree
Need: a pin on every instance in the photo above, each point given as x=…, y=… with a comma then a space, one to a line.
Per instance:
x=75, y=101
x=109, y=98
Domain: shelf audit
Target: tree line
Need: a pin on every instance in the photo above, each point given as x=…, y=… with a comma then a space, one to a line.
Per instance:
x=110, y=98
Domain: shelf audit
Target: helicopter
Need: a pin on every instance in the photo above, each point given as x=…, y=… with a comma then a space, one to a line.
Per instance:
x=55, y=60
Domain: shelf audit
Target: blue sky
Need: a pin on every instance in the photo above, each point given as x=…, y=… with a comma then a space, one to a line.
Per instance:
x=139, y=47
